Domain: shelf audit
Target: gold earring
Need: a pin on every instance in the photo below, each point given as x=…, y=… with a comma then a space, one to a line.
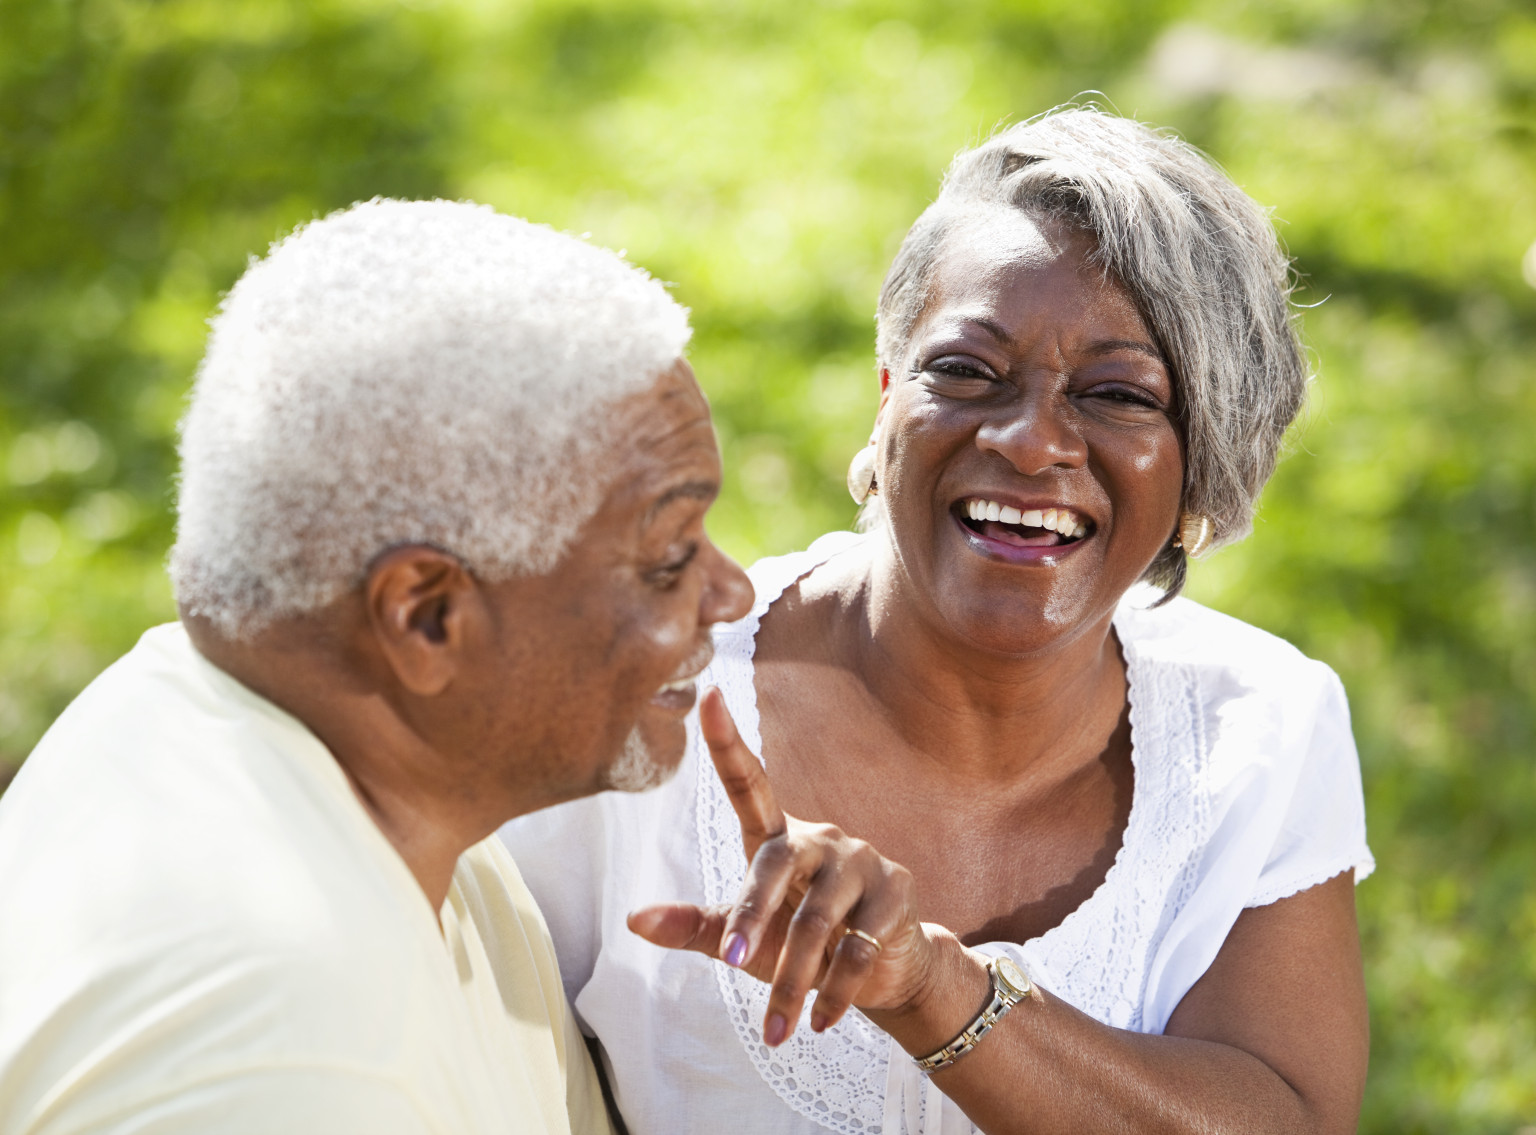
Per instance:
x=861, y=474
x=1196, y=534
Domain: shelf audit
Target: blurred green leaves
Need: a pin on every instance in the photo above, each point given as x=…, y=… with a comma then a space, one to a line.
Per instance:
x=767, y=158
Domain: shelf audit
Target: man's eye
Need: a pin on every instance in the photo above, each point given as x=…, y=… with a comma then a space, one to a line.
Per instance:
x=664, y=575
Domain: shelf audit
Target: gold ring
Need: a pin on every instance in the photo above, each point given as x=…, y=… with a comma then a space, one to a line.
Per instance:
x=870, y=938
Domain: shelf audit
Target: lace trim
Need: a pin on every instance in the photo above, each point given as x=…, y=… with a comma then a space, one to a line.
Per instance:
x=836, y=1078
x=1362, y=861
x=1097, y=959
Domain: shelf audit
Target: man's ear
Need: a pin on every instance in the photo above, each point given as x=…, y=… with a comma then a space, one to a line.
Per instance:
x=424, y=608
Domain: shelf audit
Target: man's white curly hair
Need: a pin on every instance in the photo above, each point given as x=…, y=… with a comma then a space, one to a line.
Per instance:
x=405, y=372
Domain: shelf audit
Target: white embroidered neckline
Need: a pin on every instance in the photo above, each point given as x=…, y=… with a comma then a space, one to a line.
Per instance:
x=1096, y=959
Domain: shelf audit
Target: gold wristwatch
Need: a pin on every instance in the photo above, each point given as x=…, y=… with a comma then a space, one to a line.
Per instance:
x=1010, y=985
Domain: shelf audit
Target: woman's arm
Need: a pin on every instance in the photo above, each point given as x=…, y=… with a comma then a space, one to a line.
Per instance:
x=1272, y=1039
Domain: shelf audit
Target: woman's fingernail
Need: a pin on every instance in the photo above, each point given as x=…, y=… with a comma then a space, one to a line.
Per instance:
x=774, y=1032
x=735, y=950
x=818, y=1022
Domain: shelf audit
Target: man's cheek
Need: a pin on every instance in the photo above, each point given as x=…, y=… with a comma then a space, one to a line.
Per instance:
x=656, y=644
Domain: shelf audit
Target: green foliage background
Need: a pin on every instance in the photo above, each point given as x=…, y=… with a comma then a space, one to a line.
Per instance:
x=767, y=157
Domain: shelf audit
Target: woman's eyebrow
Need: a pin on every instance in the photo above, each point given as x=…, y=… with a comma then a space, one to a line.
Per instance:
x=993, y=328
x=1109, y=346
x=1100, y=347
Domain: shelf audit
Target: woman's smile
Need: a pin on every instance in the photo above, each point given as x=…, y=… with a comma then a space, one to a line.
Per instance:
x=1025, y=533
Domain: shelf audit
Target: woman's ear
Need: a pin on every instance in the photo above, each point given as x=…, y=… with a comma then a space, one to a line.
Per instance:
x=423, y=607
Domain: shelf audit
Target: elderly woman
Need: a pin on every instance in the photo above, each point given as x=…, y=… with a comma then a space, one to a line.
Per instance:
x=1128, y=828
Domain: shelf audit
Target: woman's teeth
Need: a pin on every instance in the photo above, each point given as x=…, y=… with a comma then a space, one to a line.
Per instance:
x=1061, y=520
x=680, y=684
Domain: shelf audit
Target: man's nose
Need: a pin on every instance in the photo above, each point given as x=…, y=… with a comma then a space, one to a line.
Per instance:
x=1034, y=434
x=728, y=592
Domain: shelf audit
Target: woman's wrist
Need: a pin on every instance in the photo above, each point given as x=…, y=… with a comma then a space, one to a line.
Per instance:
x=954, y=988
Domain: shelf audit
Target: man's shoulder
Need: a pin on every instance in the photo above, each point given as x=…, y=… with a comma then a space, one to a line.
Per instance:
x=171, y=869
x=108, y=929
x=166, y=785
x=203, y=1008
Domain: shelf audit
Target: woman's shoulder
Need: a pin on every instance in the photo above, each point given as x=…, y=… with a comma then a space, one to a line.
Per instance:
x=1199, y=665
x=1184, y=632
x=771, y=576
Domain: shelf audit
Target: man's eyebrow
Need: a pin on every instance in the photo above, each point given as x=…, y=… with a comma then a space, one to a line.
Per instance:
x=705, y=491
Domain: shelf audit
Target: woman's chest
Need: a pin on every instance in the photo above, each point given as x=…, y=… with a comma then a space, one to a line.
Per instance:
x=994, y=860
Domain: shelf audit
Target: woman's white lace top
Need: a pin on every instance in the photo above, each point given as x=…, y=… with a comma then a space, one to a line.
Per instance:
x=1247, y=789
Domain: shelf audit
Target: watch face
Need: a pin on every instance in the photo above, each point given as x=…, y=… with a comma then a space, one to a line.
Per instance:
x=1012, y=977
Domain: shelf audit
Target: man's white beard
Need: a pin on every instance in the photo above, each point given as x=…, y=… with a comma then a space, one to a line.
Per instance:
x=636, y=770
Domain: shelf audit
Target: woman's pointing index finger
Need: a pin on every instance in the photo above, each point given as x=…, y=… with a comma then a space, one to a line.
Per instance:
x=741, y=773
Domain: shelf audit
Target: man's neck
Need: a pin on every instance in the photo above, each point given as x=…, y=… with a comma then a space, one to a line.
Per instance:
x=420, y=799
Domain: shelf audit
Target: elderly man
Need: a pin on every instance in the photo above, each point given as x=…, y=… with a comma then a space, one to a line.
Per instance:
x=440, y=562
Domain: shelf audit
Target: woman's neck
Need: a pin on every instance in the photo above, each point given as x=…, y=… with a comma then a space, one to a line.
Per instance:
x=982, y=714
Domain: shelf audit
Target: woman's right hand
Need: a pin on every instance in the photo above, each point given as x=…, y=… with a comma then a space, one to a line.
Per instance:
x=808, y=886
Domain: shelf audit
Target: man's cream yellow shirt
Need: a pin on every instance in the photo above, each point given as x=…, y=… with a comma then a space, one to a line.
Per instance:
x=201, y=930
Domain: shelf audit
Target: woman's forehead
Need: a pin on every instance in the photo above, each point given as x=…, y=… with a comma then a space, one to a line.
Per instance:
x=1004, y=235
x=1009, y=267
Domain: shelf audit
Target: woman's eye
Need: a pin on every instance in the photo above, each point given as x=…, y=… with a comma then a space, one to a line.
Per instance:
x=959, y=368
x=958, y=374
x=1126, y=396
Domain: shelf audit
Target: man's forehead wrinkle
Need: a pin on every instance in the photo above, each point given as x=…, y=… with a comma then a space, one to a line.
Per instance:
x=655, y=430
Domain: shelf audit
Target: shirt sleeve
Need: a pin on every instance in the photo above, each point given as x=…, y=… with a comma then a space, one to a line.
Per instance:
x=1323, y=832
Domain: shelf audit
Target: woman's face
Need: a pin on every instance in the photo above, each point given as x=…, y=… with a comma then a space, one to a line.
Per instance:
x=1029, y=461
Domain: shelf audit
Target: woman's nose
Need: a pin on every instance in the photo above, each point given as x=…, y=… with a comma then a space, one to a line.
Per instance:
x=1033, y=435
x=727, y=593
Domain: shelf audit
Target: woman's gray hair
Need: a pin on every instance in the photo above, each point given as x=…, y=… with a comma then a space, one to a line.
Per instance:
x=406, y=372
x=1199, y=257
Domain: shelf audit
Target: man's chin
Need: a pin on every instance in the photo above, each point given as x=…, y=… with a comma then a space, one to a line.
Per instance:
x=638, y=769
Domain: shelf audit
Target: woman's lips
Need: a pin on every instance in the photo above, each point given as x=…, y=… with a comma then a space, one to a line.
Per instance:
x=997, y=541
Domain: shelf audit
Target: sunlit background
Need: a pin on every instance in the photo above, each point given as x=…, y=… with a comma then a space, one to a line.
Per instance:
x=766, y=156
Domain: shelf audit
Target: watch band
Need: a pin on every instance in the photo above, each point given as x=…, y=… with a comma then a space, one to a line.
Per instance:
x=1010, y=985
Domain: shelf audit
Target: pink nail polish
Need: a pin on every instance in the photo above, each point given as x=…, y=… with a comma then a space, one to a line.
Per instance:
x=735, y=950
x=775, y=1031
x=818, y=1022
